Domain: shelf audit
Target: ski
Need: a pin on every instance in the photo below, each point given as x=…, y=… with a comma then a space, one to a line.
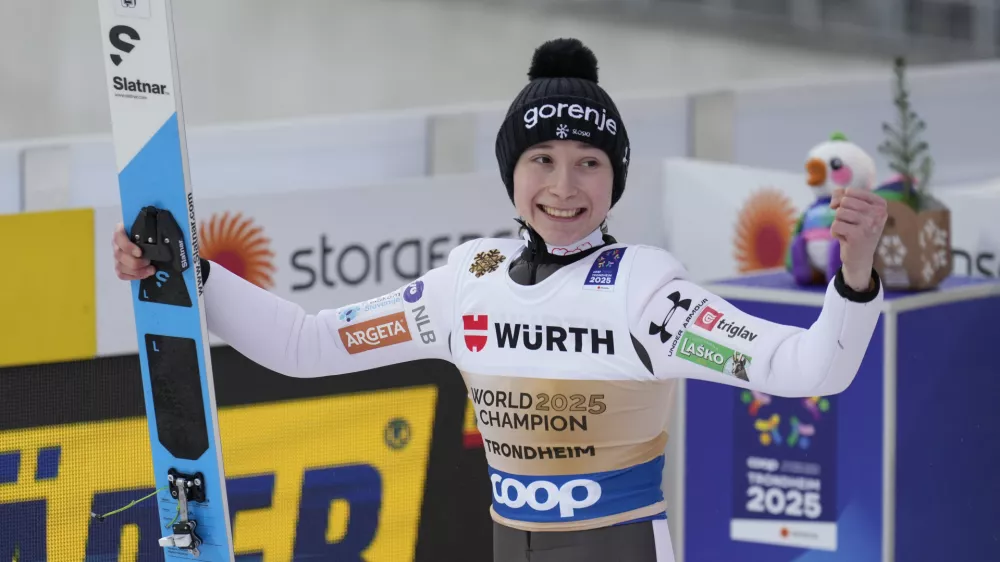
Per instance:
x=158, y=211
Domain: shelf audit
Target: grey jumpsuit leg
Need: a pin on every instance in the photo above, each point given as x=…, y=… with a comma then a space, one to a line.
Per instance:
x=623, y=543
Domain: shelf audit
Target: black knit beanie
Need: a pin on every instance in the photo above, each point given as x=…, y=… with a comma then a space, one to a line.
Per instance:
x=562, y=101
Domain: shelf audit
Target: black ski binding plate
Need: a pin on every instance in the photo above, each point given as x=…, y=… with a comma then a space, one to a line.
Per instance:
x=157, y=233
x=193, y=483
x=175, y=383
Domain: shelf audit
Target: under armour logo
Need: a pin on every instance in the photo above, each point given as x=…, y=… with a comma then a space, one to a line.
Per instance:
x=654, y=328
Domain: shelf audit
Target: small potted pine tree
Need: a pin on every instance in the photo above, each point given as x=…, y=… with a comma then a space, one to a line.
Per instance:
x=915, y=250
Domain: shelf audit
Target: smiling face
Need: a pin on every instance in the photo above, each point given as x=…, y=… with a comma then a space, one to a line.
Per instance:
x=563, y=189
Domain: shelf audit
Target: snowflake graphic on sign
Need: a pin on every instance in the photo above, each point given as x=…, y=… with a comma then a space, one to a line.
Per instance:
x=934, y=249
x=891, y=250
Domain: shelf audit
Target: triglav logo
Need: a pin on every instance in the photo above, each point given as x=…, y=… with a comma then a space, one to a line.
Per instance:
x=708, y=318
x=573, y=111
x=711, y=319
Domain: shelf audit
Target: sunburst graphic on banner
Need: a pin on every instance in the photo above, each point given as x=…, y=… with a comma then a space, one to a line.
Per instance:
x=764, y=230
x=234, y=242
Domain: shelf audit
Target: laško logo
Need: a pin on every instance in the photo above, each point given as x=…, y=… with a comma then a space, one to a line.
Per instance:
x=551, y=338
x=573, y=111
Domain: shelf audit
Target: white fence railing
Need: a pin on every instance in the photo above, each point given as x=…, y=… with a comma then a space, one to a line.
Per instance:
x=768, y=125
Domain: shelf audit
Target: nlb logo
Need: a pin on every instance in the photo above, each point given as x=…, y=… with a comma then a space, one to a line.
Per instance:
x=413, y=291
x=572, y=110
x=307, y=498
x=542, y=495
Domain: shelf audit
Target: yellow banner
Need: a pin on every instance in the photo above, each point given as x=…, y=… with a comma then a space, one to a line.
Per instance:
x=471, y=437
x=373, y=446
x=47, y=296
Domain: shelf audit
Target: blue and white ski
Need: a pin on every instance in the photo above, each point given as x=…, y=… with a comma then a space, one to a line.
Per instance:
x=158, y=210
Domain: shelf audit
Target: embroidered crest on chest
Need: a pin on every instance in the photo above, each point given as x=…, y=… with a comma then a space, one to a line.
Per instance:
x=486, y=262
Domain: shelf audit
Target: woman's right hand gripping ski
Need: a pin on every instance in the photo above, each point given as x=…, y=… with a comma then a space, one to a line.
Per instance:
x=129, y=263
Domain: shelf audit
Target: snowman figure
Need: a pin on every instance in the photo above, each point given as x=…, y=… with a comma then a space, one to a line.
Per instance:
x=814, y=254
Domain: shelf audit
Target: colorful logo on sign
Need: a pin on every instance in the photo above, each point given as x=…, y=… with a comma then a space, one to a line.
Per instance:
x=235, y=243
x=308, y=498
x=764, y=230
x=798, y=432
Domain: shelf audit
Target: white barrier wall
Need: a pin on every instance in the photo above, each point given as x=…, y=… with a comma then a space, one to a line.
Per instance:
x=261, y=157
x=775, y=125
x=767, y=126
x=247, y=60
x=10, y=178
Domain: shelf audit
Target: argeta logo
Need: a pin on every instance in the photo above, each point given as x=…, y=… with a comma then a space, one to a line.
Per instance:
x=573, y=111
x=117, y=42
x=413, y=292
x=476, y=323
x=708, y=318
x=661, y=329
x=375, y=333
x=514, y=494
